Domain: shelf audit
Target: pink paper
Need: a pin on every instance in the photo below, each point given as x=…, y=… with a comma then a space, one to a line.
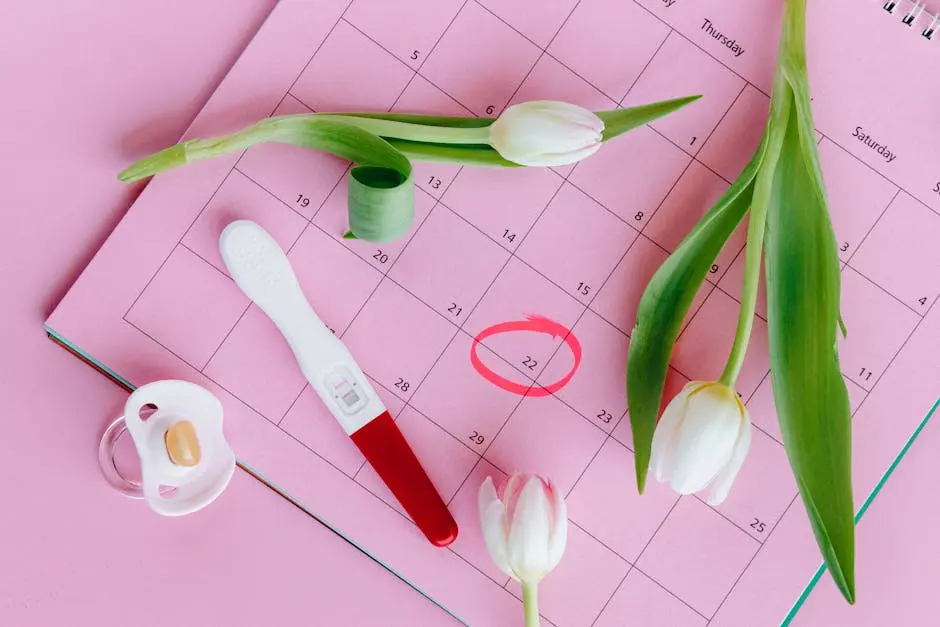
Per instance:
x=575, y=245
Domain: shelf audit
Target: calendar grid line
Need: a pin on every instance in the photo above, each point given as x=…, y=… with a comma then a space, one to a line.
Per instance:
x=638, y=558
x=664, y=588
x=643, y=70
x=882, y=288
x=874, y=224
x=734, y=101
x=714, y=58
x=751, y=561
x=759, y=541
x=901, y=347
x=315, y=51
x=179, y=239
x=282, y=201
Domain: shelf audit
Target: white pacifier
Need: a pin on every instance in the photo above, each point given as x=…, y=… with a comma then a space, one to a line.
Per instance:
x=184, y=460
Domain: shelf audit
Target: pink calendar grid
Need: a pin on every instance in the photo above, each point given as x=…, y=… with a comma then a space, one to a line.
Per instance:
x=575, y=244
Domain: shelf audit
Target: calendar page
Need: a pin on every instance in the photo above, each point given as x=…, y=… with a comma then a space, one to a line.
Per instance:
x=496, y=331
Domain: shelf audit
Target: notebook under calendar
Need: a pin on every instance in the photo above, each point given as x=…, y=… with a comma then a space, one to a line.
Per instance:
x=575, y=245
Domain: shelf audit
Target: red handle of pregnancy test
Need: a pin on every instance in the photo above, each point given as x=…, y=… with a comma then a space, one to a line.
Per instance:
x=386, y=449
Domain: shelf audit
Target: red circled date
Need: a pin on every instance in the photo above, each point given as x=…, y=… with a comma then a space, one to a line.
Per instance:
x=531, y=324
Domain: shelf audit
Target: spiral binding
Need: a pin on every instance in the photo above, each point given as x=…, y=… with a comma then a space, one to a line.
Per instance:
x=916, y=13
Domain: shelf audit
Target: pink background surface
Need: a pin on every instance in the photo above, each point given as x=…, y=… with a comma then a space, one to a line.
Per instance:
x=85, y=82
x=86, y=85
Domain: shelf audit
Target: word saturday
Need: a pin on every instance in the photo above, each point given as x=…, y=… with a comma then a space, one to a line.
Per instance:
x=869, y=141
x=731, y=44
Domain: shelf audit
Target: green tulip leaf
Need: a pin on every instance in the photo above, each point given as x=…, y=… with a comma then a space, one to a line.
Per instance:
x=801, y=266
x=619, y=121
x=664, y=305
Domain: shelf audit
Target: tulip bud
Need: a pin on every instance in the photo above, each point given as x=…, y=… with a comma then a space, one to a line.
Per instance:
x=701, y=440
x=546, y=133
x=525, y=528
x=524, y=525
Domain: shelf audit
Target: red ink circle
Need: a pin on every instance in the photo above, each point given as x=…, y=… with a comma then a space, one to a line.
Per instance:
x=536, y=324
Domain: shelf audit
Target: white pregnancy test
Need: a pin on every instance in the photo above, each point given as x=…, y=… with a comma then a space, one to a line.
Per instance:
x=260, y=268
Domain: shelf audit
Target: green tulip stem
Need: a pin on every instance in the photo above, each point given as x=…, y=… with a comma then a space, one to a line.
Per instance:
x=530, y=600
x=427, y=133
x=764, y=190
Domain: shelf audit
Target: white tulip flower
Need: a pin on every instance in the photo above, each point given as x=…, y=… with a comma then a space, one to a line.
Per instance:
x=702, y=440
x=525, y=528
x=546, y=133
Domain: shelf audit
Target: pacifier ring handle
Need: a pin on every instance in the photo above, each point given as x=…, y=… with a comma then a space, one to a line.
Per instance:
x=108, y=462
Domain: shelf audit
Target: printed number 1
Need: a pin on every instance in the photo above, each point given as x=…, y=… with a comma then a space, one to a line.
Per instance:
x=693, y=141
